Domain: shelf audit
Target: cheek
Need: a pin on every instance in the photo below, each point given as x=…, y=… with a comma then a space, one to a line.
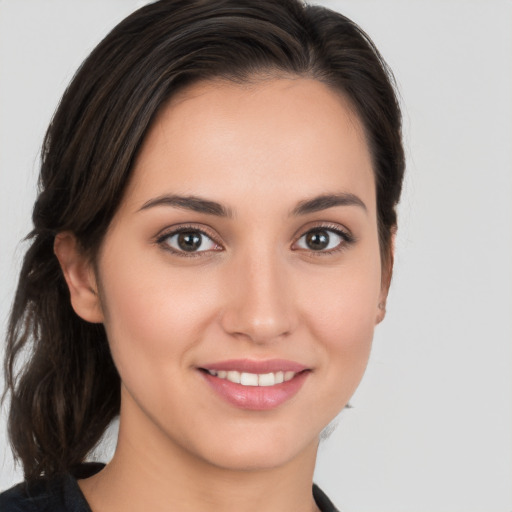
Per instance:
x=346, y=328
x=341, y=314
x=344, y=304
x=153, y=313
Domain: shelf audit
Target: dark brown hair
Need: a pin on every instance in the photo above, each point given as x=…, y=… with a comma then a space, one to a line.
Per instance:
x=63, y=384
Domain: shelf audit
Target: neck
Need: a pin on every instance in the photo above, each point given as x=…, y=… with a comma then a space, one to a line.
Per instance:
x=150, y=472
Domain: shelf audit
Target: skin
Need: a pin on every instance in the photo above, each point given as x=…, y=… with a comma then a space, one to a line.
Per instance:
x=258, y=291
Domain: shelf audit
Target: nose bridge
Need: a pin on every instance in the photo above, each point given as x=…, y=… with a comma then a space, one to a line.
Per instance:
x=260, y=304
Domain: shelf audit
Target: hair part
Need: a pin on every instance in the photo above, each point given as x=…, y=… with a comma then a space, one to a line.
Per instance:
x=68, y=392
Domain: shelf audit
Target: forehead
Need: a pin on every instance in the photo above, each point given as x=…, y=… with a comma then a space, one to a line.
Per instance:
x=218, y=137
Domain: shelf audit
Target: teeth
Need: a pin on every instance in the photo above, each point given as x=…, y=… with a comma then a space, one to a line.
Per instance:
x=249, y=379
x=288, y=376
x=253, y=379
x=266, y=379
x=233, y=376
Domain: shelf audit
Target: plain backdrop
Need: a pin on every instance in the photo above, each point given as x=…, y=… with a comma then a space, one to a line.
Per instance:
x=431, y=425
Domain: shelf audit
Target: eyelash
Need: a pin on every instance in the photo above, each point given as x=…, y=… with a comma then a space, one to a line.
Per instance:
x=161, y=240
x=347, y=240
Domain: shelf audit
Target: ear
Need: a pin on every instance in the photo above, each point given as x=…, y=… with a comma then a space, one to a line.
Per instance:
x=387, y=272
x=80, y=277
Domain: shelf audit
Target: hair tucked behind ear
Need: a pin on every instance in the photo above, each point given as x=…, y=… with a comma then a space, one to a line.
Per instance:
x=62, y=382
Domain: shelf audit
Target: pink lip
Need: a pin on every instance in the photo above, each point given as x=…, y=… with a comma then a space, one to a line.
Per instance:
x=254, y=366
x=256, y=398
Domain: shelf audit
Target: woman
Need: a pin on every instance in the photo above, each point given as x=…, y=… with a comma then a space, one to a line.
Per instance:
x=212, y=249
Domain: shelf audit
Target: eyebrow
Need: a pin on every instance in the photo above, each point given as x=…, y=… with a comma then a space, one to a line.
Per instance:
x=200, y=205
x=325, y=201
x=192, y=203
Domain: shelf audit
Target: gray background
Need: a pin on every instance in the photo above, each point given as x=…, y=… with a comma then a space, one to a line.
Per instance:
x=431, y=427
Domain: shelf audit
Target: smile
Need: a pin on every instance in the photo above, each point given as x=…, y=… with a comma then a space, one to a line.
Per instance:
x=255, y=385
x=254, y=379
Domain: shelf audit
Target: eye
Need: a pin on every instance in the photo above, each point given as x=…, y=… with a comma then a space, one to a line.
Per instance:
x=322, y=239
x=188, y=241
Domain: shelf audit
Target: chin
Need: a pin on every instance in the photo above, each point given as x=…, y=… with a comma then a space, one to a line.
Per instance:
x=257, y=450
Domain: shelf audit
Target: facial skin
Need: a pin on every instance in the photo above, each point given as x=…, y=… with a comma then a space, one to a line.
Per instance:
x=254, y=290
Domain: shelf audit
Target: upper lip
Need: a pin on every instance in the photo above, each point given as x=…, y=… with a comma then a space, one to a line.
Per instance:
x=255, y=366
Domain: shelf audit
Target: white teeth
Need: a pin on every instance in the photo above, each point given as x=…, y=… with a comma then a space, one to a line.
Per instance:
x=266, y=379
x=233, y=376
x=288, y=376
x=249, y=379
x=253, y=379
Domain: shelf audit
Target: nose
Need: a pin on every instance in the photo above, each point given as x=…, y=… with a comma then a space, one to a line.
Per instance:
x=259, y=300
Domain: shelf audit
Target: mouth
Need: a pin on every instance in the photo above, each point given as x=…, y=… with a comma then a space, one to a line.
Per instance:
x=254, y=379
x=255, y=385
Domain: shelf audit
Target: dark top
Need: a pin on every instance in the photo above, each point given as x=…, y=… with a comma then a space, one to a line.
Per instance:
x=62, y=494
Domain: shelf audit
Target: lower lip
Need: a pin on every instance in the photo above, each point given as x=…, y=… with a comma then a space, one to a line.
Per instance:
x=256, y=398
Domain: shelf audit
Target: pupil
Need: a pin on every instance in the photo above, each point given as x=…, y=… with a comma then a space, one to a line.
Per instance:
x=317, y=240
x=189, y=241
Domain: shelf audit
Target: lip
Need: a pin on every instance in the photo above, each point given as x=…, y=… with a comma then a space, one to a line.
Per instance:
x=255, y=366
x=256, y=398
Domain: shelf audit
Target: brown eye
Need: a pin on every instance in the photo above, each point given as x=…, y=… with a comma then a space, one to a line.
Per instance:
x=189, y=241
x=317, y=240
x=322, y=240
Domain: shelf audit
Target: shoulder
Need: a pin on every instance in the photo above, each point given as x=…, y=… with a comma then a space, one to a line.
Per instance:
x=35, y=497
x=12, y=499
x=59, y=494
x=322, y=501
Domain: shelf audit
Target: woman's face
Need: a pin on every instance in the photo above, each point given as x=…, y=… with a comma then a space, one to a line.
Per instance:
x=245, y=248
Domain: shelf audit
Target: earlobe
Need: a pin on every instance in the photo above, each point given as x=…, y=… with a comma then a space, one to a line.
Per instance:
x=385, y=283
x=80, y=277
x=387, y=272
x=381, y=312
